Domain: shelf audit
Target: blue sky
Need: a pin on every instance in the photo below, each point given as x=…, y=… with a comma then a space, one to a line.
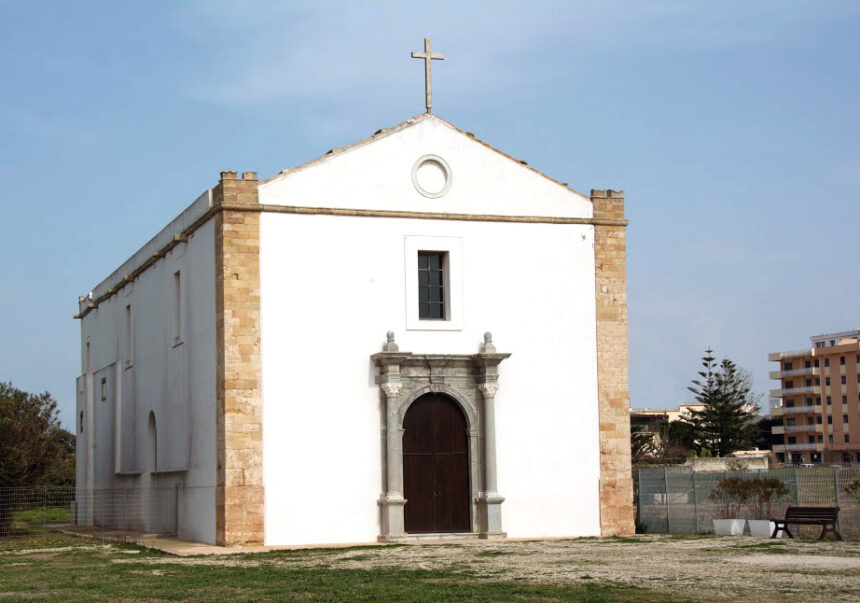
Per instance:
x=732, y=127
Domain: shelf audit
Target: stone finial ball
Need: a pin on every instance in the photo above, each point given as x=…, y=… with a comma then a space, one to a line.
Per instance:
x=390, y=336
x=488, y=337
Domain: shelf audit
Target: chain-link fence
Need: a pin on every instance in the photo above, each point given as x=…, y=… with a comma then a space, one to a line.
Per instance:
x=52, y=516
x=677, y=500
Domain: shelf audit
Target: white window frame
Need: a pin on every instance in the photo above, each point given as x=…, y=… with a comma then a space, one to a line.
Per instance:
x=453, y=248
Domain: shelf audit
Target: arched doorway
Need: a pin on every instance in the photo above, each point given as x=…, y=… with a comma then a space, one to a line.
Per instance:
x=435, y=467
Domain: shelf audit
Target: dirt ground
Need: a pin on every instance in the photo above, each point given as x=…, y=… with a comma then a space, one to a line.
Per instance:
x=697, y=568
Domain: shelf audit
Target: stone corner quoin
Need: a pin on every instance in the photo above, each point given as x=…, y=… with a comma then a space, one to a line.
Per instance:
x=610, y=257
x=239, y=504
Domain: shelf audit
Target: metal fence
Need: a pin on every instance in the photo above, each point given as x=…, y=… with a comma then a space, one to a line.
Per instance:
x=52, y=516
x=677, y=500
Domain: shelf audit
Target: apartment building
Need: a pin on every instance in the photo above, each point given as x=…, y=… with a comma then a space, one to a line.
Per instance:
x=647, y=420
x=819, y=400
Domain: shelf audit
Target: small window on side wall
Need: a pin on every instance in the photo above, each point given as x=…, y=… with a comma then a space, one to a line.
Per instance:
x=177, y=308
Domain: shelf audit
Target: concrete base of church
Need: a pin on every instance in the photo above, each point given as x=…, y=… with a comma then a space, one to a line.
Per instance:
x=443, y=537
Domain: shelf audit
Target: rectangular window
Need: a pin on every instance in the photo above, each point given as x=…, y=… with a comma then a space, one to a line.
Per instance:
x=830, y=439
x=844, y=418
x=842, y=380
x=434, y=283
x=847, y=441
x=829, y=420
x=789, y=422
x=809, y=383
x=828, y=401
x=809, y=401
x=792, y=440
x=842, y=361
x=177, y=308
x=844, y=399
x=103, y=394
x=810, y=439
x=827, y=381
x=818, y=420
x=807, y=364
x=810, y=420
x=129, y=337
x=816, y=363
x=787, y=366
x=827, y=362
x=431, y=285
x=820, y=439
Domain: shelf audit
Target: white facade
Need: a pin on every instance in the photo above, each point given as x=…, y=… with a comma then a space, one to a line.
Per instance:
x=335, y=276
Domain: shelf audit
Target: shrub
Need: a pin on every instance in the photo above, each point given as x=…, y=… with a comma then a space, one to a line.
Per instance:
x=764, y=491
x=730, y=495
x=852, y=489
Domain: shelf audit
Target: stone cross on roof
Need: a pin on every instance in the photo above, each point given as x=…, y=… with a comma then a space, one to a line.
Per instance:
x=427, y=56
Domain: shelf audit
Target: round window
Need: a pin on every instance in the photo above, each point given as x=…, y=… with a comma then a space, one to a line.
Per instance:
x=431, y=176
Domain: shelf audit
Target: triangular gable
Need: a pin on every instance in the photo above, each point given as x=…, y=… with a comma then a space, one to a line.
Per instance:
x=379, y=173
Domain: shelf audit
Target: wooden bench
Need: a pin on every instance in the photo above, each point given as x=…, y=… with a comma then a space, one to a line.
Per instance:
x=815, y=516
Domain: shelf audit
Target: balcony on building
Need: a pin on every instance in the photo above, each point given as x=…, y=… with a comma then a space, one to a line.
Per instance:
x=812, y=371
x=778, y=411
x=781, y=429
x=777, y=356
x=795, y=391
x=794, y=447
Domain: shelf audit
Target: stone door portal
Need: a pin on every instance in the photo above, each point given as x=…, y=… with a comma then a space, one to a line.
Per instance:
x=436, y=467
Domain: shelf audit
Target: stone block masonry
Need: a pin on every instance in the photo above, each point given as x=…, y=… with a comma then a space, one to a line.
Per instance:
x=239, y=500
x=610, y=259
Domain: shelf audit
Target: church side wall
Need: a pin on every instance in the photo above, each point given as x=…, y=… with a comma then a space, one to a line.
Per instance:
x=168, y=369
x=332, y=286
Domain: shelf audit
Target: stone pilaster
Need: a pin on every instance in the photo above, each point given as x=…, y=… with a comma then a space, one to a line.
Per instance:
x=392, y=502
x=239, y=497
x=610, y=258
x=489, y=502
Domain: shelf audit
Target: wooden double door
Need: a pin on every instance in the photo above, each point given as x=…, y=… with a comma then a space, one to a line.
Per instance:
x=436, y=467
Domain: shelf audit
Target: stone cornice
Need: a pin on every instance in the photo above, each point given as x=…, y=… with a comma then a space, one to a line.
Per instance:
x=88, y=305
x=420, y=215
x=126, y=279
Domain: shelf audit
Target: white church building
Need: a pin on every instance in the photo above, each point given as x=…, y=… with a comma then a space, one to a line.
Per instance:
x=416, y=337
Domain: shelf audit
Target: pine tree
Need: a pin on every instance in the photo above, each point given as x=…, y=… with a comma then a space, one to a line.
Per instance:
x=727, y=422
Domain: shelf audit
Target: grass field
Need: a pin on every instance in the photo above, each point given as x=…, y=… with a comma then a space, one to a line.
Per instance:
x=117, y=572
x=630, y=569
